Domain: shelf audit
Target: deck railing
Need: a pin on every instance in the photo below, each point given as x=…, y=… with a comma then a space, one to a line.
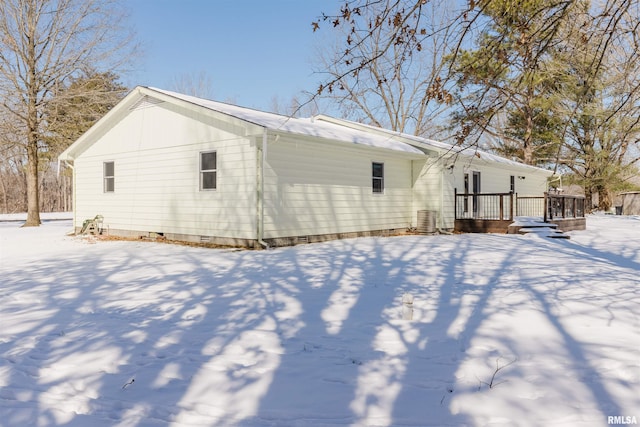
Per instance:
x=530, y=206
x=505, y=206
x=563, y=206
x=484, y=206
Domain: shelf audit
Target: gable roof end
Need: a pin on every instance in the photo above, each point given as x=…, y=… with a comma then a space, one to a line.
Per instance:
x=273, y=122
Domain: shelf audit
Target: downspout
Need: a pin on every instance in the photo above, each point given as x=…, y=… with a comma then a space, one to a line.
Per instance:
x=263, y=162
x=73, y=189
x=442, y=169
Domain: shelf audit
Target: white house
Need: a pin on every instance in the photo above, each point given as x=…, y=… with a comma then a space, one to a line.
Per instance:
x=198, y=170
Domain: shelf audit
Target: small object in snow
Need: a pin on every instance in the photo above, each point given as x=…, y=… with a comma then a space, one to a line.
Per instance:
x=407, y=307
x=129, y=383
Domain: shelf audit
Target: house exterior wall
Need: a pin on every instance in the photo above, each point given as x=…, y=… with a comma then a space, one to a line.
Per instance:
x=495, y=178
x=427, y=188
x=315, y=188
x=155, y=151
x=306, y=185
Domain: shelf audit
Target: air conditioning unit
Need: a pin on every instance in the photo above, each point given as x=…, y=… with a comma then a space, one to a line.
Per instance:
x=427, y=222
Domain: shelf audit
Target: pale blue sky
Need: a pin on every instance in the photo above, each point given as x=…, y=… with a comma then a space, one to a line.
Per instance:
x=252, y=50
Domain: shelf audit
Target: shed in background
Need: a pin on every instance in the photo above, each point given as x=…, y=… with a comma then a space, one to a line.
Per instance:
x=631, y=203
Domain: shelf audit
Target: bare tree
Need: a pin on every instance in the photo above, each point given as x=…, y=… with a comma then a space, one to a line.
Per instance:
x=194, y=84
x=295, y=107
x=395, y=86
x=600, y=93
x=401, y=28
x=43, y=43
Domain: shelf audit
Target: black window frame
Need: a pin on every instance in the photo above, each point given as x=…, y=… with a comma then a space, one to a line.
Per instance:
x=109, y=177
x=205, y=183
x=377, y=177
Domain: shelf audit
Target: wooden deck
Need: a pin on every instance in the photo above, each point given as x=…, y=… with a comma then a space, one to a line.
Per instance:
x=495, y=212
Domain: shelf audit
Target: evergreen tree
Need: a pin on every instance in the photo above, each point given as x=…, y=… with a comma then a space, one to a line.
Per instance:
x=505, y=88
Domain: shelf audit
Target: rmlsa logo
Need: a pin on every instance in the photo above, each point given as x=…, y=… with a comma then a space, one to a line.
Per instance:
x=620, y=419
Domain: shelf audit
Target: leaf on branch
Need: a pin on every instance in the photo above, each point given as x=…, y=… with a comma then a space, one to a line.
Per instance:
x=397, y=20
x=315, y=26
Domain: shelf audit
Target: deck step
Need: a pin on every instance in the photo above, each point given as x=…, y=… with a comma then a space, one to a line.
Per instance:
x=543, y=229
x=545, y=232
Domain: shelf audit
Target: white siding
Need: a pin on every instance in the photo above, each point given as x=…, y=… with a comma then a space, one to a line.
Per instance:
x=427, y=189
x=314, y=188
x=156, y=155
x=495, y=178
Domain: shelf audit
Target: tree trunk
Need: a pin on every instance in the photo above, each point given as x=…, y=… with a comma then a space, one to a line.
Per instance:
x=588, y=199
x=33, y=203
x=605, y=199
x=5, y=197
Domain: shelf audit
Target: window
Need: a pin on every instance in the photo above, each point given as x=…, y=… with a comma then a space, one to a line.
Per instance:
x=108, y=172
x=377, y=172
x=208, y=170
x=513, y=184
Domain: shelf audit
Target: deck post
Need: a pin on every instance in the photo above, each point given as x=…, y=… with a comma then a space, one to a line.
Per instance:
x=546, y=195
x=511, y=205
x=455, y=203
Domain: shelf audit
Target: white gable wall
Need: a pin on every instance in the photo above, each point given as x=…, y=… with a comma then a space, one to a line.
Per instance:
x=156, y=154
x=315, y=188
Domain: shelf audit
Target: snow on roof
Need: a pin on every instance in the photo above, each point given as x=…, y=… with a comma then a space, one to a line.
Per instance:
x=300, y=126
x=442, y=147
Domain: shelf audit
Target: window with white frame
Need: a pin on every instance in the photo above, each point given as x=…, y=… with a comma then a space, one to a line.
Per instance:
x=377, y=175
x=208, y=170
x=109, y=177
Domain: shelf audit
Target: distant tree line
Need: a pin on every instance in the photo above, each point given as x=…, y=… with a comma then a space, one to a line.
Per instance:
x=59, y=64
x=74, y=108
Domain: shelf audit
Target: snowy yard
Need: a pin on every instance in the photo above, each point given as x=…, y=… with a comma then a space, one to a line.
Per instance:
x=115, y=333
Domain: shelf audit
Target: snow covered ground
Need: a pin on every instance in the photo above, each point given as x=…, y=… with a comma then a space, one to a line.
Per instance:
x=115, y=333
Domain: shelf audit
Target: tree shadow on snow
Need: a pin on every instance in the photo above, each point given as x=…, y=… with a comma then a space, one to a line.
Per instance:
x=149, y=334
